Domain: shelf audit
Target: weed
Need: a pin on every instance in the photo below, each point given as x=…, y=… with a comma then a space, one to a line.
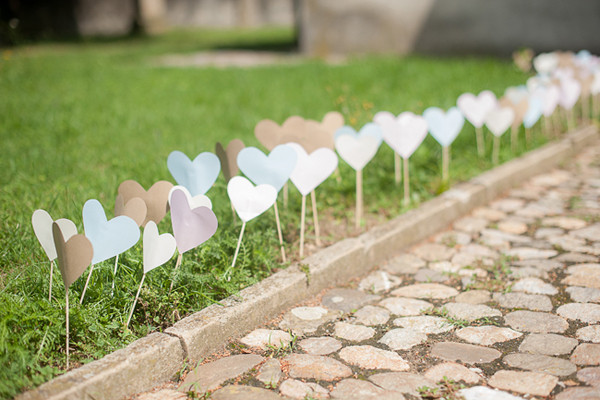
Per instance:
x=283, y=349
x=447, y=390
x=306, y=270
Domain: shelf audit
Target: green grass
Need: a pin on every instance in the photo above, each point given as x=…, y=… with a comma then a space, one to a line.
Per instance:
x=79, y=118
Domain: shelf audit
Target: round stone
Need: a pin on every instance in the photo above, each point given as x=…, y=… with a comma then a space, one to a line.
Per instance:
x=426, y=290
x=372, y=315
x=353, y=333
x=487, y=335
x=590, y=375
x=404, y=306
x=567, y=223
x=535, y=322
x=404, y=264
x=584, y=294
x=301, y=390
x=402, y=338
x=484, y=392
x=508, y=205
x=359, y=389
x=434, y=252
x=471, y=224
x=549, y=344
x=534, y=302
x=453, y=238
x=591, y=233
x=452, y=370
x=309, y=313
x=513, y=226
x=465, y=353
x=426, y=324
x=589, y=333
x=473, y=297
x=585, y=312
x=540, y=363
x=579, y=393
x=534, y=286
x=528, y=253
x=489, y=213
x=320, y=346
x=532, y=383
x=404, y=382
x=262, y=338
x=243, y=392
x=379, y=281
x=470, y=312
x=369, y=357
x=586, y=354
x=347, y=300
x=321, y=368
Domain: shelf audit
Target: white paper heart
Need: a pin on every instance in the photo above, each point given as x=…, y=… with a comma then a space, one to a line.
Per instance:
x=516, y=94
x=357, y=149
x=42, y=227
x=248, y=200
x=551, y=98
x=595, y=89
x=158, y=249
x=475, y=108
x=545, y=63
x=534, y=111
x=200, y=200
x=444, y=126
x=311, y=170
x=404, y=133
x=570, y=90
x=498, y=120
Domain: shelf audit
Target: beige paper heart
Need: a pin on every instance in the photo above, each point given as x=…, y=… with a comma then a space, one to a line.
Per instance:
x=585, y=80
x=228, y=157
x=156, y=198
x=520, y=109
x=135, y=209
x=74, y=255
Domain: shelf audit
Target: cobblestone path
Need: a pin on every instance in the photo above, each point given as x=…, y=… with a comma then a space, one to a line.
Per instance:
x=504, y=305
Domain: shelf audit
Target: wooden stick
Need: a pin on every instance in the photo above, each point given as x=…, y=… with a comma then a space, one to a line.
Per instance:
x=237, y=249
x=445, y=163
x=136, y=299
x=359, y=199
x=570, y=120
x=234, y=215
x=67, y=321
x=480, y=141
x=279, y=232
x=406, y=183
x=397, y=167
x=112, y=290
x=595, y=104
x=528, y=136
x=496, y=150
x=285, y=195
x=585, y=109
x=514, y=138
x=177, y=264
x=302, y=218
x=51, y=275
x=86, y=284
x=313, y=200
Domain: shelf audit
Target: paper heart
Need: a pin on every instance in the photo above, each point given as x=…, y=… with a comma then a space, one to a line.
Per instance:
x=475, y=108
x=311, y=170
x=320, y=134
x=191, y=226
x=404, y=134
x=248, y=200
x=274, y=169
x=197, y=176
x=545, y=63
x=498, y=120
x=551, y=98
x=158, y=249
x=444, y=126
x=534, y=111
x=585, y=79
x=109, y=238
x=195, y=201
x=519, y=109
x=357, y=149
x=570, y=90
x=228, y=157
x=42, y=227
x=270, y=134
x=74, y=255
x=155, y=198
x=135, y=209
x=332, y=121
x=595, y=89
x=516, y=94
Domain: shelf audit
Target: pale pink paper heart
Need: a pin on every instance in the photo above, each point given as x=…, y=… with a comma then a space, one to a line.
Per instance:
x=475, y=108
x=191, y=227
x=404, y=134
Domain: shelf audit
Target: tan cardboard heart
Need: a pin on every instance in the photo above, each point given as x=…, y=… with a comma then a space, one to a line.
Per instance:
x=135, y=209
x=321, y=134
x=74, y=255
x=156, y=198
x=566, y=59
x=519, y=109
x=228, y=157
x=585, y=80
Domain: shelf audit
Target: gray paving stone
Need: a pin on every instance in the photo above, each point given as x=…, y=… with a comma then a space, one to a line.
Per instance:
x=579, y=393
x=261, y=338
x=586, y=354
x=532, y=383
x=524, y=253
x=301, y=390
x=573, y=257
x=309, y=320
x=535, y=322
x=465, y=353
x=583, y=294
x=470, y=312
x=540, y=363
x=321, y=368
x=489, y=214
x=513, y=226
x=347, y=300
x=429, y=275
x=473, y=297
x=543, y=233
x=426, y=291
x=534, y=302
x=352, y=332
x=426, y=324
x=403, y=382
x=584, y=312
x=402, y=338
x=164, y=394
x=320, y=346
x=585, y=275
x=589, y=333
x=508, y=237
x=543, y=264
x=453, y=238
x=549, y=344
x=527, y=272
x=590, y=233
x=443, y=266
x=452, y=370
x=433, y=252
x=534, y=286
x=590, y=375
x=508, y=205
x=372, y=315
x=242, y=392
x=355, y=389
x=369, y=357
x=270, y=372
x=403, y=306
x=404, y=264
x=486, y=393
x=209, y=376
x=463, y=259
x=378, y=282
x=487, y=335
x=567, y=223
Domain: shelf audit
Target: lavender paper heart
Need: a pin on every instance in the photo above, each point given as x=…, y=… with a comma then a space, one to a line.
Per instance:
x=191, y=227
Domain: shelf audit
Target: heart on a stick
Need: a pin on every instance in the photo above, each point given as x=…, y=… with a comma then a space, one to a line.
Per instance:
x=274, y=169
x=357, y=149
x=155, y=198
x=444, y=126
x=404, y=134
x=193, y=201
x=248, y=200
x=320, y=134
x=228, y=157
x=499, y=119
x=551, y=98
x=74, y=255
x=197, y=176
x=109, y=238
x=475, y=108
x=191, y=226
x=534, y=111
x=158, y=249
x=545, y=63
x=519, y=109
x=42, y=227
x=570, y=90
x=270, y=134
x=311, y=170
x=135, y=209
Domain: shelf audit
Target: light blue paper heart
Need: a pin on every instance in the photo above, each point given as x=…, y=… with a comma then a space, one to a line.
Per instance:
x=534, y=112
x=444, y=126
x=109, y=238
x=369, y=129
x=197, y=176
x=274, y=169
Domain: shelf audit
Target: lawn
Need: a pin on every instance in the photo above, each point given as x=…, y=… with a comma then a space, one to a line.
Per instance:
x=79, y=118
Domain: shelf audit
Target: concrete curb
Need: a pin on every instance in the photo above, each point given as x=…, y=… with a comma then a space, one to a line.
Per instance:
x=155, y=359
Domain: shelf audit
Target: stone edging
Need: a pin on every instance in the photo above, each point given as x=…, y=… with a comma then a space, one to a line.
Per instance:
x=156, y=358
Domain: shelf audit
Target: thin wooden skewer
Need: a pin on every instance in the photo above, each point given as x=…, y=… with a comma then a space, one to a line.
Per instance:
x=446, y=163
x=67, y=321
x=279, y=232
x=302, y=218
x=359, y=198
x=237, y=249
x=406, y=183
x=177, y=264
x=480, y=141
x=313, y=200
x=51, y=275
x=112, y=290
x=86, y=284
x=136, y=299
x=496, y=150
x=397, y=167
